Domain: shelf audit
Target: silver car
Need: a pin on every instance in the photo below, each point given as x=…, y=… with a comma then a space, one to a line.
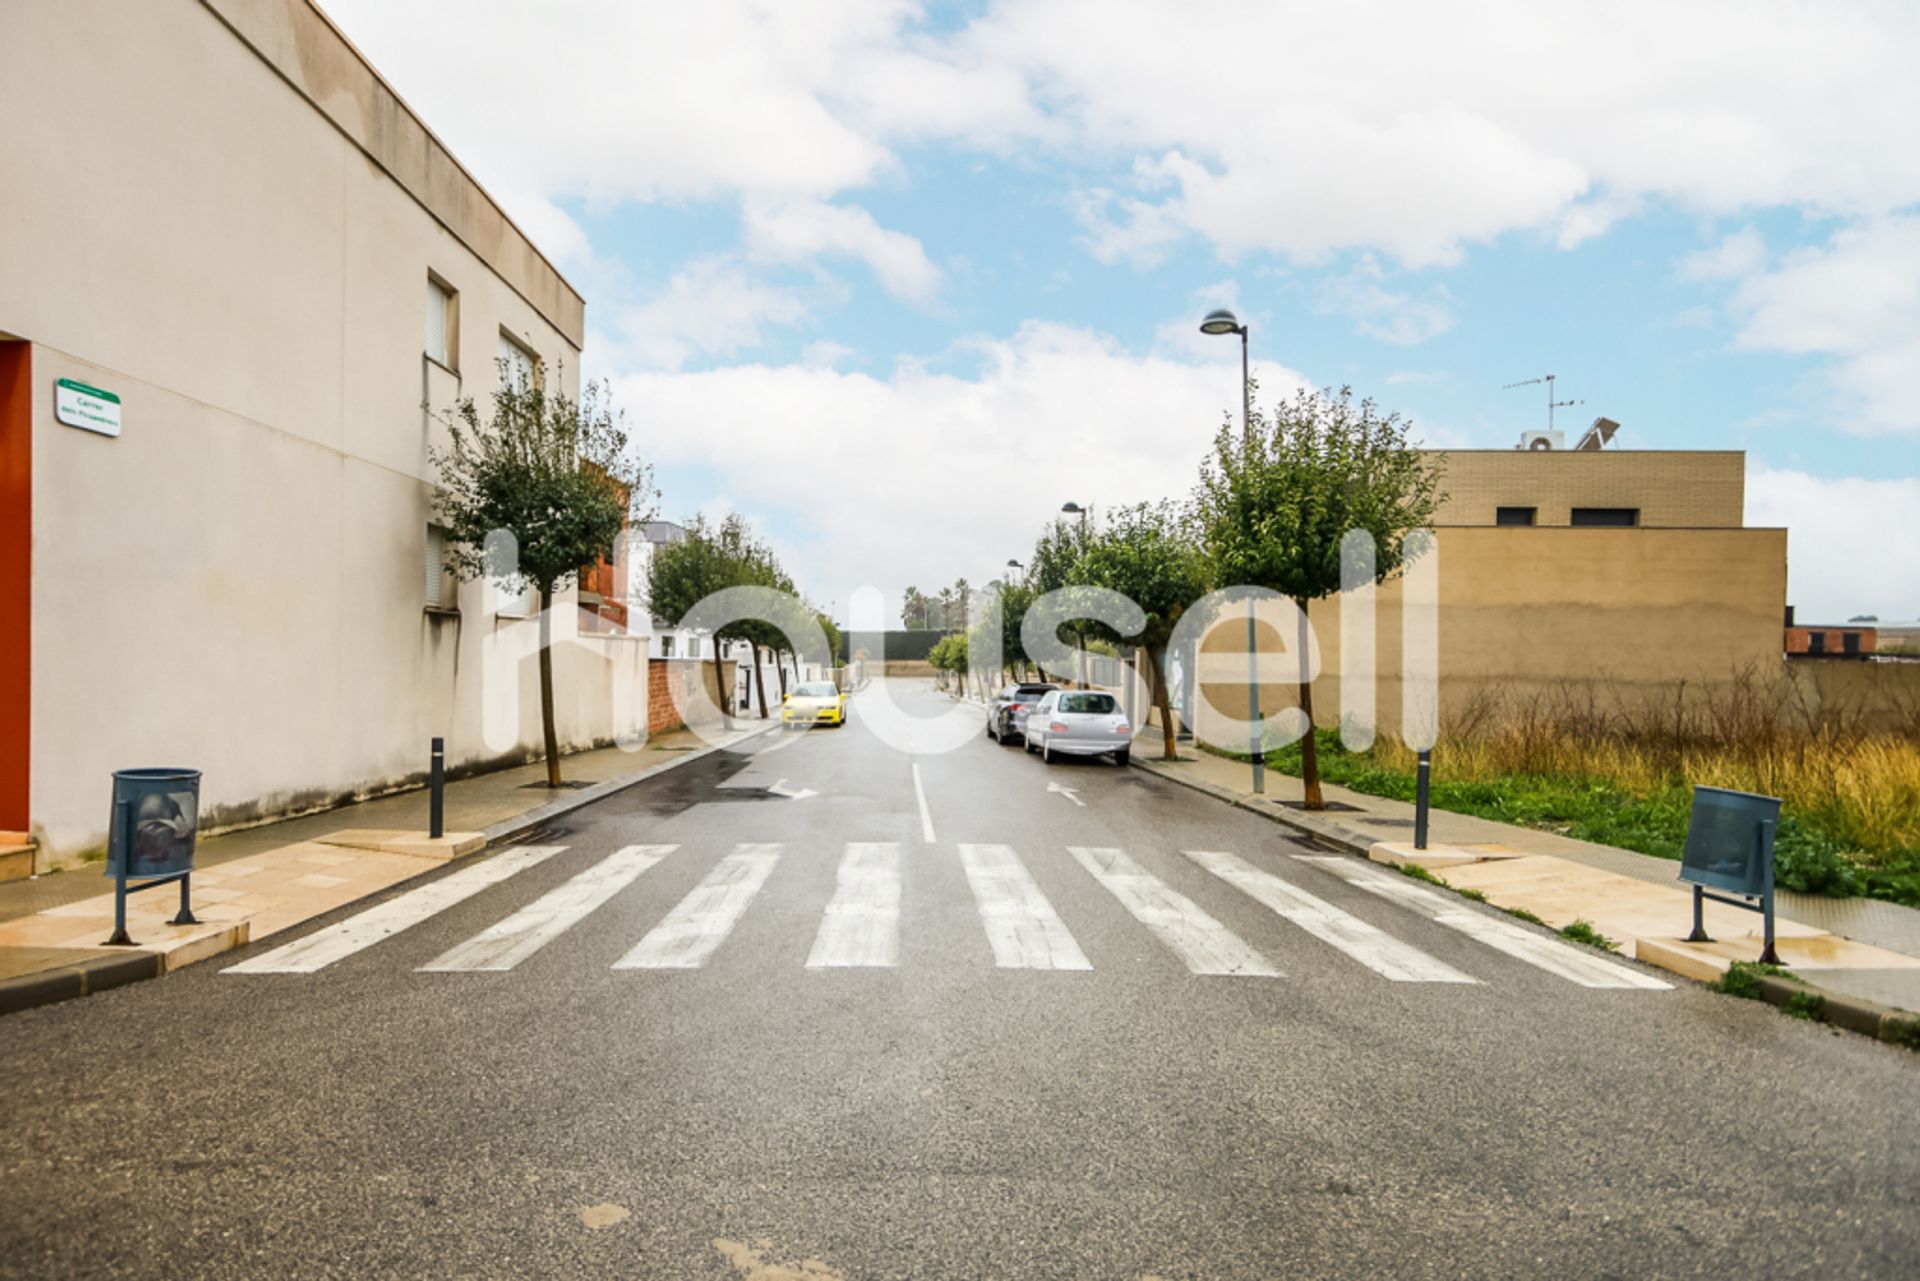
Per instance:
x=1079, y=722
x=1008, y=710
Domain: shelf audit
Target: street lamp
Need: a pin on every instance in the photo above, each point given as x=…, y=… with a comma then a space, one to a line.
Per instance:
x=1014, y=564
x=1221, y=321
x=1079, y=637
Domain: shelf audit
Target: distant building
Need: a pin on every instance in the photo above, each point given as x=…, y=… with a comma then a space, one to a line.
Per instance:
x=1631, y=570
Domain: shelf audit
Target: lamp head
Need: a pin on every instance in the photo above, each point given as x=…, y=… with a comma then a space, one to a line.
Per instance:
x=1221, y=321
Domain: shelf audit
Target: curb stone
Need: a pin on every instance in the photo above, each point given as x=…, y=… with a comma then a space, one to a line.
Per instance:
x=97, y=974
x=1852, y=1013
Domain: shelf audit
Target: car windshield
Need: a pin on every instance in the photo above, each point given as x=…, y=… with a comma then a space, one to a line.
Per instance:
x=1091, y=704
x=816, y=689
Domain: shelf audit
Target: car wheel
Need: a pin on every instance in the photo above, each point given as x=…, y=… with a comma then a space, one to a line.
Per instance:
x=1026, y=741
x=1046, y=751
x=1123, y=758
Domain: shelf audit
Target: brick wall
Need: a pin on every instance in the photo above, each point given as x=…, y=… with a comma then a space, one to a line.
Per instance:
x=1673, y=488
x=691, y=676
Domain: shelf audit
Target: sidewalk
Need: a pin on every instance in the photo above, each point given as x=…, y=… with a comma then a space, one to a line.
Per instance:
x=253, y=883
x=1864, y=949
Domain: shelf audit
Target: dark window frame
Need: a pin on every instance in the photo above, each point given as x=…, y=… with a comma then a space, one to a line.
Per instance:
x=1607, y=517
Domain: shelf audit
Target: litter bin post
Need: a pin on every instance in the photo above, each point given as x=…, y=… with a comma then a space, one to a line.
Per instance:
x=1730, y=848
x=151, y=840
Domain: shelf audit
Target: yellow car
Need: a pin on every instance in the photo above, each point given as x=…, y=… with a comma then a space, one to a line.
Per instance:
x=814, y=703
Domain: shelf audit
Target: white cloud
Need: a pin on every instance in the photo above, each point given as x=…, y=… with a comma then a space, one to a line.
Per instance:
x=1856, y=299
x=1362, y=296
x=1413, y=128
x=712, y=308
x=825, y=353
x=1833, y=525
x=1401, y=377
x=1296, y=127
x=925, y=475
x=1740, y=254
x=797, y=231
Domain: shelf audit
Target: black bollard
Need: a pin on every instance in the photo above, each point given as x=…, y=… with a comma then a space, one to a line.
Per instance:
x=1420, y=799
x=437, y=791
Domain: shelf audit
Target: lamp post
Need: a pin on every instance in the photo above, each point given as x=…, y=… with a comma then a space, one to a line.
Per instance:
x=1221, y=321
x=1080, y=638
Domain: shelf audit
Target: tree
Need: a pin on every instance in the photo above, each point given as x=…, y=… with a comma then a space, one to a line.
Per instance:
x=554, y=473
x=1150, y=554
x=709, y=559
x=913, y=610
x=1056, y=556
x=1277, y=497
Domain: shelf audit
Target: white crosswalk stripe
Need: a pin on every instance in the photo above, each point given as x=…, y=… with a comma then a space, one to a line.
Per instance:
x=321, y=949
x=861, y=927
x=1022, y=927
x=696, y=928
x=1206, y=946
x=506, y=944
x=1572, y=962
x=1373, y=948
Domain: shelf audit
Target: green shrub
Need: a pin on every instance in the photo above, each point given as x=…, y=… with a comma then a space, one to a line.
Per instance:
x=1583, y=932
x=1742, y=978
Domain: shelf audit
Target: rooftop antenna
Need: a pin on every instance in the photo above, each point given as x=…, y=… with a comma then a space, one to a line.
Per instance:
x=1552, y=404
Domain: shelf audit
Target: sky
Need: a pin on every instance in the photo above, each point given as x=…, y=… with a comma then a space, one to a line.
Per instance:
x=896, y=280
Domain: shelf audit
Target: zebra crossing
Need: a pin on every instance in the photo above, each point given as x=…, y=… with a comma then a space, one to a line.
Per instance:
x=860, y=923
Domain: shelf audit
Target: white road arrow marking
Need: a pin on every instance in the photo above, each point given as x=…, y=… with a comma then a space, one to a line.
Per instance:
x=1071, y=793
x=780, y=789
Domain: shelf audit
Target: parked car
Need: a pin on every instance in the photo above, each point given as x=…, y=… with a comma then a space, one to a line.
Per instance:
x=1007, y=712
x=1078, y=722
x=813, y=703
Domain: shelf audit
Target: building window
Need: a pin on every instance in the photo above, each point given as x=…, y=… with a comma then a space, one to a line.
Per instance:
x=519, y=367
x=442, y=322
x=1608, y=517
x=442, y=587
x=666, y=647
x=1514, y=515
x=693, y=647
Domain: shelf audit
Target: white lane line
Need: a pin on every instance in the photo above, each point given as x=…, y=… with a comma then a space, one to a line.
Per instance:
x=861, y=927
x=506, y=944
x=1378, y=951
x=324, y=947
x=1575, y=963
x=926, y=816
x=1206, y=946
x=694, y=929
x=1022, y=927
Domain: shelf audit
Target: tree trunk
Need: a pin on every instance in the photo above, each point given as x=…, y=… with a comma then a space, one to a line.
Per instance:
x=722, y=695
x=1309, y=746
x=546, y=687
x=759, y=679
x=782, y=669
x=1156, y=664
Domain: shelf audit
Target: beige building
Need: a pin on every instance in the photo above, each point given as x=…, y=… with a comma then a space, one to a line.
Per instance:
x=235, y=265
x=1627, y=573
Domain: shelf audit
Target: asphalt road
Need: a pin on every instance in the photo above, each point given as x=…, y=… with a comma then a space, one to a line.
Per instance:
x=811, y=1066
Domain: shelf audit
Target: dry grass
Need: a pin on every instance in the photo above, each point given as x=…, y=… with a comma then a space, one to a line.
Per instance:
x=1602, y=767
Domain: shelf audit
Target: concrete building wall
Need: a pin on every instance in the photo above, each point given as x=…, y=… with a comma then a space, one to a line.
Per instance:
x=1677, y=488
x=239, y=246
x=1631, y=613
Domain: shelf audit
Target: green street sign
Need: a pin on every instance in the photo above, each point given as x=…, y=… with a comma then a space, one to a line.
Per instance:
x=89, y=408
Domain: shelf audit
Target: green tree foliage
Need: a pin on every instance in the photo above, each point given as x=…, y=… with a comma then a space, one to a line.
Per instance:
x=1276, y=498
x=711, y=558
x=1151, y=554
x=915, y=609
x=554, y=473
